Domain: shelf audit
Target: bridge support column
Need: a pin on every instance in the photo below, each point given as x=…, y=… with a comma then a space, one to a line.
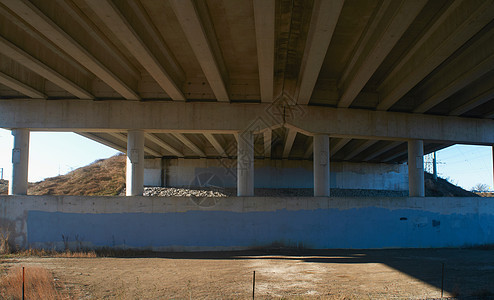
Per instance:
x=20, y=162
x=245, y=164
x=135, y=163
x=321, y=165
x=416, y=168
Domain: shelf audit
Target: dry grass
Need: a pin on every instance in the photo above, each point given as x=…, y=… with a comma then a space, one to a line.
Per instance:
x=39, y=284
x=101, y=178
x=53, y=253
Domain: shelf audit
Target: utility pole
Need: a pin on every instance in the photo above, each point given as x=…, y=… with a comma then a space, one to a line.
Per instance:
x=434, y=167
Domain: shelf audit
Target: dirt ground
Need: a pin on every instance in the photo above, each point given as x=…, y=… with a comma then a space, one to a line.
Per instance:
x=335, y=274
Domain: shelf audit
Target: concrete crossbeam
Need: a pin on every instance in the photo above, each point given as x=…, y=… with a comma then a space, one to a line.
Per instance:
x=323, y=22
x=118, y=116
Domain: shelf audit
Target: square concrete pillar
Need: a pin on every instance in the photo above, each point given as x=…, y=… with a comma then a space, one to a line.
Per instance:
x=245, y=164
x=135, y=163
x=20, y=162
x=416, y=186
x=321, y=165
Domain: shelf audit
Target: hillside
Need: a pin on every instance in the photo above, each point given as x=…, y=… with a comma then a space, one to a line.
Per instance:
x=104, y=177
x=107, y=177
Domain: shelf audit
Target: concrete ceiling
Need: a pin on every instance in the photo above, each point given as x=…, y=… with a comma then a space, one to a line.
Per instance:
x=431, y=57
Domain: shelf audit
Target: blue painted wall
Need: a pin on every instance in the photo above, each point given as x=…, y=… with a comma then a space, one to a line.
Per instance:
x=365, y=227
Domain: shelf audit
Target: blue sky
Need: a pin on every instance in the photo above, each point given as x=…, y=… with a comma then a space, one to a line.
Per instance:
x=54, y=153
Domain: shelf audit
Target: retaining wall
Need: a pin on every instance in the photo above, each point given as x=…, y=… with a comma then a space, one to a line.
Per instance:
x=183, y=224
x=276, y=174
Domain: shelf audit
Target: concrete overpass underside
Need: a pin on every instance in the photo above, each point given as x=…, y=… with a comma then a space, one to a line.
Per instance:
x=315, y=82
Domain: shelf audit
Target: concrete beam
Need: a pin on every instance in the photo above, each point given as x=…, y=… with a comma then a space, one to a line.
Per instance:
x=124, y=138
x=357, y=150
x=153, y=138
x=473, y=103
x=196, y=31
x=325, y=15
x=264, y=18
x=382, y=150
x=390, y=22
x=20, y=56
x=32, y=15
x=310, y=149
x=116, y=22
x=459, y=23
x=335, y=147
x=289, y=139
x=189, y=144
x=471, y=65
x=20, y=86
x=103, y=141
x=268, y=136
x=217, y=146
x=118, y=116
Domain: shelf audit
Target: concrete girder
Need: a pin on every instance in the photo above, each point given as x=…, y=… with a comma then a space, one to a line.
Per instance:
x=384, y=149
x=267, y=136
x=310, y=149
x=124, y=138
x=289, y=140
x=473, y=103
x=325, y=15
x=118, y=116
x=189, y=144
x=103, y=141
x=460, y=22
x=357, y=150
x=388, y=25
x=470, y=71
x=20, y=86
x=335, y=147
x=43, y=24
x=112, y=17
x=22, y=57
x=153, y=138
x=214, y=142
x=264, y=18
x=194, y=19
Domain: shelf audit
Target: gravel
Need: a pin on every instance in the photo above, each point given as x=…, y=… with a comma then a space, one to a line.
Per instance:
x=230, y=192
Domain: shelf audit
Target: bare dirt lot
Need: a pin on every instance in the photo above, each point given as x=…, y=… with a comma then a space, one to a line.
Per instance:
x=335, y=274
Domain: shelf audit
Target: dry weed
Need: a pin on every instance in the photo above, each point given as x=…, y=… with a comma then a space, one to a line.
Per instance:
x=39, y=284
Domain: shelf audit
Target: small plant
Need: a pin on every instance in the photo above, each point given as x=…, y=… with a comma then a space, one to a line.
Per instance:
x=4, y=240
x=480, y=188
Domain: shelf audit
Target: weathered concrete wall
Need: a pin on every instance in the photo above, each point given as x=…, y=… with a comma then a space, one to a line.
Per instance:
x=179, y=224
x=278, y=174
